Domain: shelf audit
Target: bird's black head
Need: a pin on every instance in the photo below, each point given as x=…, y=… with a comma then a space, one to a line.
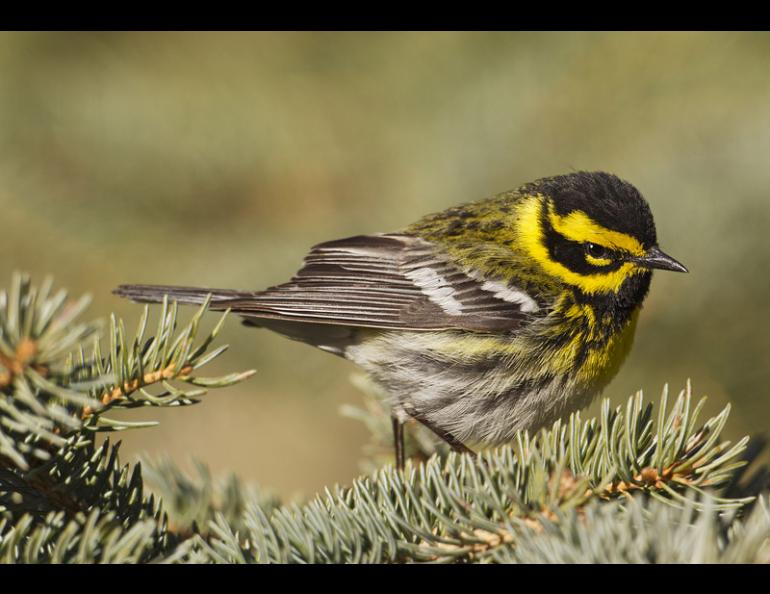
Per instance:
x=608, y=200
x=594, y=231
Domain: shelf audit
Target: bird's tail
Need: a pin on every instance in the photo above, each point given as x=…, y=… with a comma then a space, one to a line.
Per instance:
x=187, y=295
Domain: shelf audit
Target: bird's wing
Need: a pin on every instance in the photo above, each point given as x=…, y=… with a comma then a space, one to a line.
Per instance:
x=386, y=281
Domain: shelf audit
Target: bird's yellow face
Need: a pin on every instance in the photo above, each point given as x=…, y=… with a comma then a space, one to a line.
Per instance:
x=578, y=250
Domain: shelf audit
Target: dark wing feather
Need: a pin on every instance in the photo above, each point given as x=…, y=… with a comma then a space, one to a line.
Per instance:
x=381, y=281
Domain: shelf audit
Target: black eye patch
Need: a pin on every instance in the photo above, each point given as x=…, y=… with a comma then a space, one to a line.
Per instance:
x=572, y=254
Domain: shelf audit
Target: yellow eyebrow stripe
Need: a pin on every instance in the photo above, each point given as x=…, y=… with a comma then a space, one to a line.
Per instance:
x=578, y=226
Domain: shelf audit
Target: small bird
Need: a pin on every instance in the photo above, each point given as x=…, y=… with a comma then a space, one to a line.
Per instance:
x=488, y=318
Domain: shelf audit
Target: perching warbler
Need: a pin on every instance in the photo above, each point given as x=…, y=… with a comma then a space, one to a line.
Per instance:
x=478, y=321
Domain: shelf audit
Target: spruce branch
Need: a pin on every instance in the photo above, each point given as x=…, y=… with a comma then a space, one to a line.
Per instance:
x=81, y=506
x=138, y=365
x=645, y=531
x=52, y=385
x=493, y=508
x=37, y=403
x=192, y=502
x=643, y=484
x=465, y=509
x=86, y=538
x=60, y=494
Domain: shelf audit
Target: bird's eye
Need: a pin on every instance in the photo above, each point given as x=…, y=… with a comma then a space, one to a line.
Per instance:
x=596, y=251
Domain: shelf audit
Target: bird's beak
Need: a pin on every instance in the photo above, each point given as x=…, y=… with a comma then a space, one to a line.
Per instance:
x=655, y=258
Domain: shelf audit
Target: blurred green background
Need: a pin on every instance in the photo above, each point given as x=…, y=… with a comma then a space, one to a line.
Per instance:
x=217, y=159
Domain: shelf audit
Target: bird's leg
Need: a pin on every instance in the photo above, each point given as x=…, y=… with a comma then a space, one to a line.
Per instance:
x=453, y=442
x=398, y=440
